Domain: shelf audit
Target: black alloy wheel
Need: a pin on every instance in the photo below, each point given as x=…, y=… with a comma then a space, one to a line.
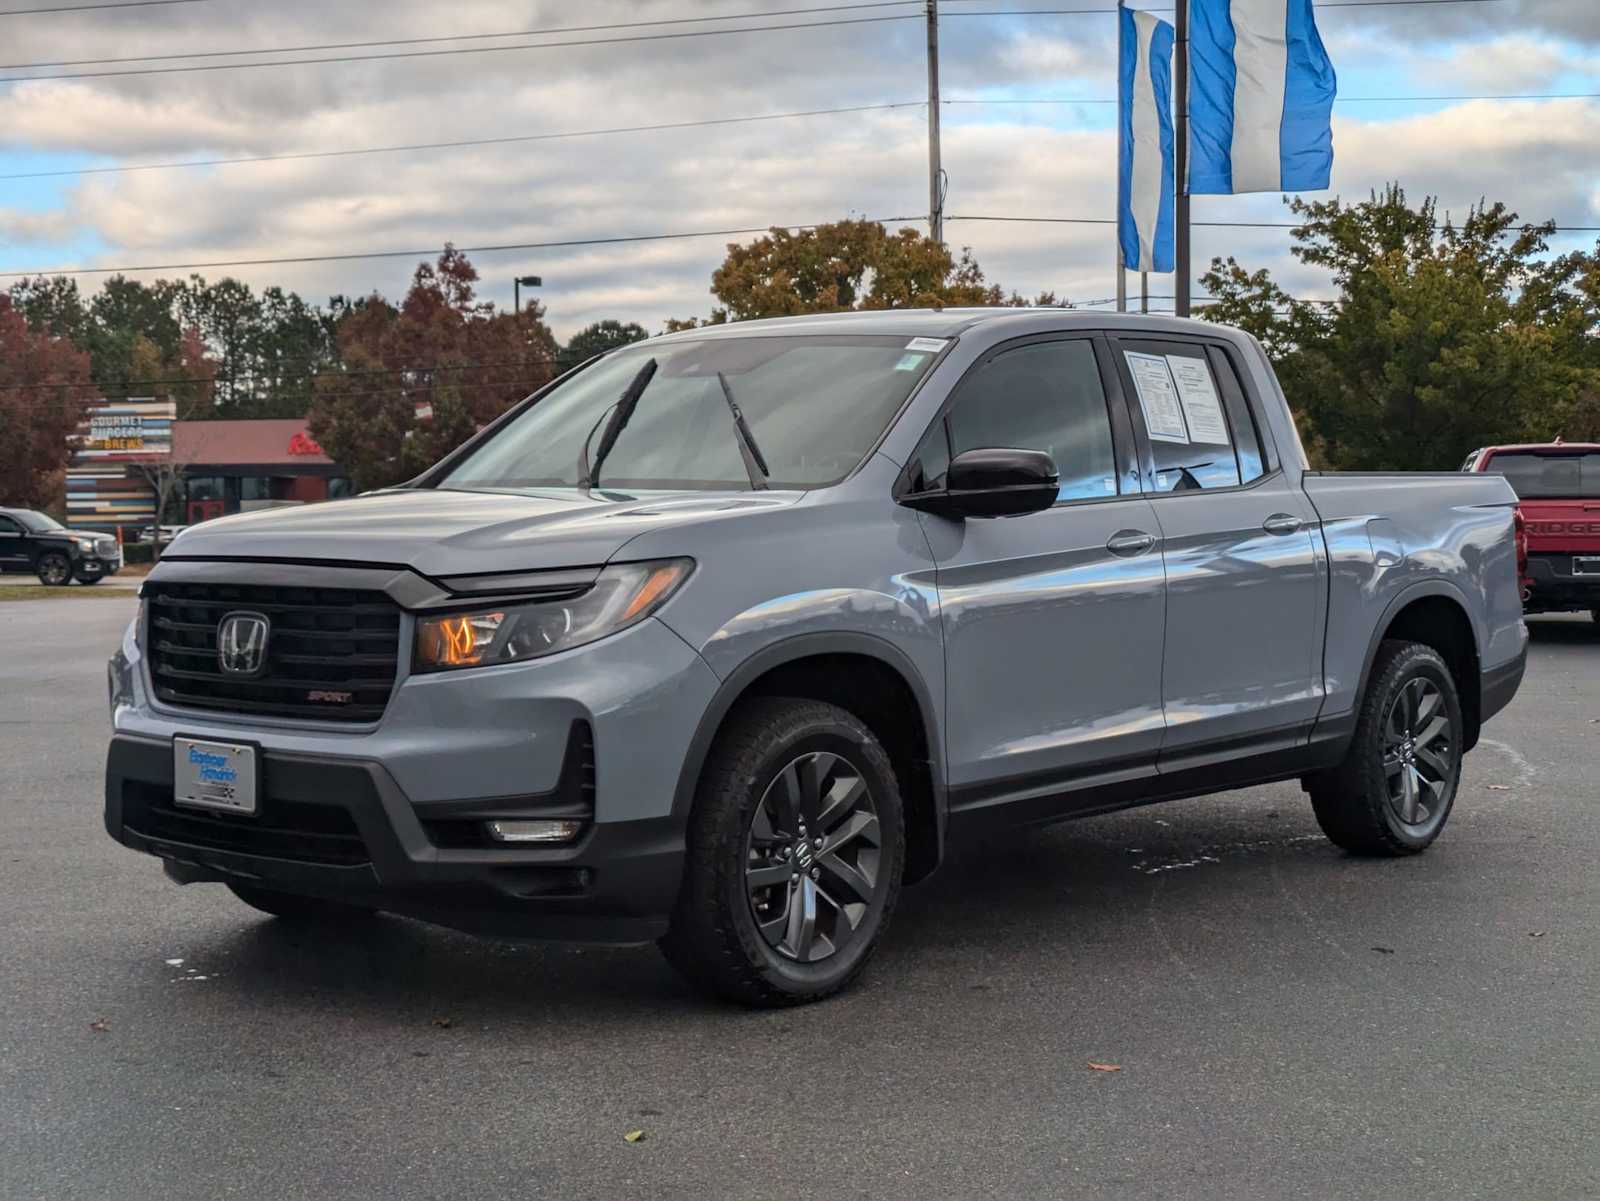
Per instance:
x=54, y=570
x=1393, y=791
x=812, y=857
x=1419, y=756
x=795, y=850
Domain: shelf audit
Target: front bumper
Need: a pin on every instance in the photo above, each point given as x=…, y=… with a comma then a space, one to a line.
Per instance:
x=94, y=567
x=342, y=829
x=386, y=805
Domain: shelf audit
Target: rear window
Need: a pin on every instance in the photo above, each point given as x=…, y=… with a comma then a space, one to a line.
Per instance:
x=1548, y=475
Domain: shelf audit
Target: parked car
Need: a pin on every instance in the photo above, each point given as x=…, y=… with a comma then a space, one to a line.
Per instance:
x=147, y=534
x=725, y=637
x=37, y=544
x=1558, y=490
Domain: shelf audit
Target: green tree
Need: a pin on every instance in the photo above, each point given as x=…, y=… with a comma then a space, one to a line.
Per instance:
x=598, y=339
x=1444, y=336
x=417, y=379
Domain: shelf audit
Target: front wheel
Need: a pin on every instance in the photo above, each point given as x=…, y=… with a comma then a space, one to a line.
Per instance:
x=54, y=570
x=1393, y=792
x=795, y=850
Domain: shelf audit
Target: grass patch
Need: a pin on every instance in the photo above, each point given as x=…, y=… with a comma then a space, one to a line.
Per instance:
x=21, y=592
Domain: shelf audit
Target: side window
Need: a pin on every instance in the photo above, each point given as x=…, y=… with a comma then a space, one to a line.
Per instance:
x=9, y=527
x=1043, y=396
x=1246, y=436
x=1194, y=440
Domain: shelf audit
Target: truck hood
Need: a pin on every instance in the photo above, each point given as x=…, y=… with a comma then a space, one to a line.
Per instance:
x=443, y=533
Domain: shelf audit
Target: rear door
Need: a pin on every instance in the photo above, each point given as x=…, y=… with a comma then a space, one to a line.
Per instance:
x=13, y=546
x=1052, y=620
x=1241, y=669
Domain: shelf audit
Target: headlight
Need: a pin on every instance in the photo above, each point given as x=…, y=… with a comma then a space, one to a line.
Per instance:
x=621, y=596
x=84, y=544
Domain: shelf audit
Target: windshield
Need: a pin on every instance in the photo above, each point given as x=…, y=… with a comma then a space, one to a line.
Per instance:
x=814, y=404
x=38, y=522
x=1548, y=475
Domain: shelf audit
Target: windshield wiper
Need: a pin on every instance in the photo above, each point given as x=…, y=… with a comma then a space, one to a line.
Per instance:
x=748, y=450
x=620, y=416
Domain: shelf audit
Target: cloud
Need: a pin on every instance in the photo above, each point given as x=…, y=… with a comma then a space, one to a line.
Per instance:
x=1002, y=161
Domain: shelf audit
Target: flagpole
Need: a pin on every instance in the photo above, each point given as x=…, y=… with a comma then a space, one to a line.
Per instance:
x=1116, y=226
x=1180, y=104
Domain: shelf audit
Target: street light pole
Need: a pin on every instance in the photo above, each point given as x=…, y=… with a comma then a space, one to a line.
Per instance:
x=520, y=282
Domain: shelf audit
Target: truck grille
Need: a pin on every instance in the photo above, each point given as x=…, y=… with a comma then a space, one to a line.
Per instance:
x=331, y=655
x=106, y=548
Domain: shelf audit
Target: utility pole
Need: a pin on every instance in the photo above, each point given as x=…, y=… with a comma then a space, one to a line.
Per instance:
x=935, y=165
x=1181, y=277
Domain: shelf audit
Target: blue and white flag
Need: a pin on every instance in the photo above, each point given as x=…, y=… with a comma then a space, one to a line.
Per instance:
x=1146, y=185
x=1261, y=91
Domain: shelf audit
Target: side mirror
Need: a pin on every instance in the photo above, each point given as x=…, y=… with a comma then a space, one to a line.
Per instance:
x=992, y=482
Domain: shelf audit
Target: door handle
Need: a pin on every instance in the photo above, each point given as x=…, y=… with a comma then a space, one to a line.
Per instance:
x=1129, y=543
x=1281, y=524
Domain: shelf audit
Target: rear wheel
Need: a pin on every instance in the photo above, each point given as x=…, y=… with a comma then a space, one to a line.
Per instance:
x=795, y=851
x=1393, y=792
x=291, y=907
x=54, y=570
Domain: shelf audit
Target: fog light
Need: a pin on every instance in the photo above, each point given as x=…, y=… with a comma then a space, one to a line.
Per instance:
x=542, y=831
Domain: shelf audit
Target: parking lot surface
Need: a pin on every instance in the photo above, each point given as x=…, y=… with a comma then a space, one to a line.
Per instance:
x=1287, y=1021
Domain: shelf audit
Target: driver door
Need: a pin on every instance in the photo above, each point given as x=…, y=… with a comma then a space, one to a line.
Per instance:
x=1052, y=620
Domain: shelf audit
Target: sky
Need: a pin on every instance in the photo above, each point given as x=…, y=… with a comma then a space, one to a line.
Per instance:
x=1005, y=155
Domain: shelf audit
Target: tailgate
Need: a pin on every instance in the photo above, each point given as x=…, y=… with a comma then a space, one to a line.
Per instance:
x=1562, y=526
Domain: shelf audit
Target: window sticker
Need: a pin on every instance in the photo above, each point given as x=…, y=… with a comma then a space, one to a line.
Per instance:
x=1201, y=407
x=932, y=345
x=1158, y=397
x=910, y=361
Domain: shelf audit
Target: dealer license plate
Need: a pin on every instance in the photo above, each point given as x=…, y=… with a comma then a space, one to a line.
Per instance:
x=1582, y=565
x=214, y=775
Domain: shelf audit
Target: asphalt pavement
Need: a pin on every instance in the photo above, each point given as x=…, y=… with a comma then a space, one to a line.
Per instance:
x=1287, y=1021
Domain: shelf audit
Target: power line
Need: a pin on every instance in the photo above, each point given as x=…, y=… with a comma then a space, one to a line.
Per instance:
x=1562, y=229
x=83, y=8
x=1074, y=12
x=666, y=126
x=628, y=239
x=534, y=137
x=363, y=58
x=429, y=253
x=330, y=370
x=458, y=37
x=1337, y=100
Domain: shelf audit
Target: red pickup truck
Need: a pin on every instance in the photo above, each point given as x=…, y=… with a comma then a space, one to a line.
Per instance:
x=1558, y=490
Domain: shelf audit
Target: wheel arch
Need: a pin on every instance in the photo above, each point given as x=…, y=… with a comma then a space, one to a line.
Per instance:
x=1435, y=613
x=813, y=666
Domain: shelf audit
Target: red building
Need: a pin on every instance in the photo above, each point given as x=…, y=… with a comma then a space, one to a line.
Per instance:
x=125, y=449
x=236, y=466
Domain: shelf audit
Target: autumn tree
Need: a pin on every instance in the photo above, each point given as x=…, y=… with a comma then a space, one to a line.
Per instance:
x=42, y=396
x=417, y=379
x=1445, y=336
x=847, y=265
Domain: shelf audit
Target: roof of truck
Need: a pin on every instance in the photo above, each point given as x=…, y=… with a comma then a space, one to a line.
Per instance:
x=1514, y=446
x=943, y=323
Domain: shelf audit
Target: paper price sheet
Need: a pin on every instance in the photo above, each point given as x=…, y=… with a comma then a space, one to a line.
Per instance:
x=1158, y=397
x=1197, y=392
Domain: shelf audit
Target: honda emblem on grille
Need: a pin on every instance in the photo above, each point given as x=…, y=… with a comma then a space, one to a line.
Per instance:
x=242, y=643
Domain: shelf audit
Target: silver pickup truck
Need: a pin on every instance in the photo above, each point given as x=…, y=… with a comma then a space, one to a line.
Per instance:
x=721, y=639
